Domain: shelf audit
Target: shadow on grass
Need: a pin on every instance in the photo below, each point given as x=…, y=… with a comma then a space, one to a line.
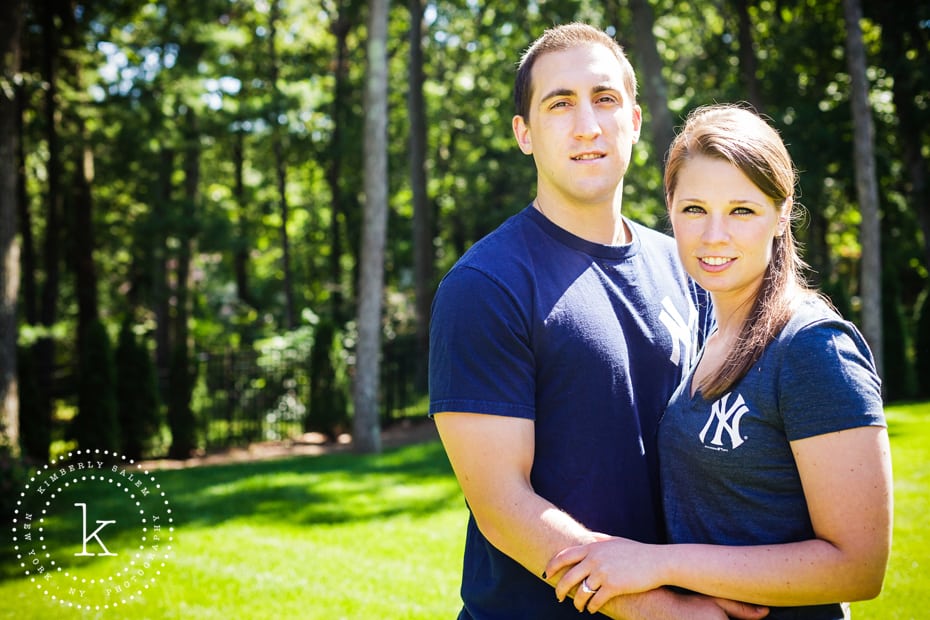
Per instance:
x=338, y=488
x=413, y=481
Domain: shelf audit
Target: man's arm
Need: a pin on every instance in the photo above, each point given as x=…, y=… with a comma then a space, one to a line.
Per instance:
x=492, y=457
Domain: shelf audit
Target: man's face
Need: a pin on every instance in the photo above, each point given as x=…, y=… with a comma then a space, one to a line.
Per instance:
x=581, y=128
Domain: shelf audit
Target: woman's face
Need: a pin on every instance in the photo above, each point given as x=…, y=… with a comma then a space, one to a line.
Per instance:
x=724, y=226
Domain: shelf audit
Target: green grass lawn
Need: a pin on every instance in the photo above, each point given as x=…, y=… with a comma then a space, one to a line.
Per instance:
x=337, y=536
x=906, y=595
x=344, y=536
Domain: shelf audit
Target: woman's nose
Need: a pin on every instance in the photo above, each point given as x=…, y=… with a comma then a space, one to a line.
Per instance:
x=715, y=229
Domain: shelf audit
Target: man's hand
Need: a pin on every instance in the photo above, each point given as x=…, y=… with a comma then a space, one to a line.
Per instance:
x=741, y=611
x=664, y=604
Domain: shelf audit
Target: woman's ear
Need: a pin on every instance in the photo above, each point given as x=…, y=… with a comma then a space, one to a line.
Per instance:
x=521, y=132
x=784, y=216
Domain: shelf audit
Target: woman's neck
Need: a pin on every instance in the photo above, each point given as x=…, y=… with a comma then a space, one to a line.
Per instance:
x=731, y=314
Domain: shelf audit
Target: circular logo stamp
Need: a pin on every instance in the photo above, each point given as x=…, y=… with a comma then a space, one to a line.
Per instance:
x=92, y=530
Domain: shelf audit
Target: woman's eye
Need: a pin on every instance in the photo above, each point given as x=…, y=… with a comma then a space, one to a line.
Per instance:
x=693, y=209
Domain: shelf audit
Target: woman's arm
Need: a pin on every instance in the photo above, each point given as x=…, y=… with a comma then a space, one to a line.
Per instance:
x=847, y=484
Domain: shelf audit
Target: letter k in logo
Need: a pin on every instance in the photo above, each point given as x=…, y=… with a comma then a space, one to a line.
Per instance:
x=95, y=534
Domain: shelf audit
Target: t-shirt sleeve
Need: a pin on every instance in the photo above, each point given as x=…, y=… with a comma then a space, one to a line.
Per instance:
x=480, y=356
x=828, y=381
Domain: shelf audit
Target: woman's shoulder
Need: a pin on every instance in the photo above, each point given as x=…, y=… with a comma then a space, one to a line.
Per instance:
x=816, y=329
x=809, y=308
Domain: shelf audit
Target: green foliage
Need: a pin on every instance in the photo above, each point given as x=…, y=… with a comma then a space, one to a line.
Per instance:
x=96, y=425
x=256, y=391
x=136, y=394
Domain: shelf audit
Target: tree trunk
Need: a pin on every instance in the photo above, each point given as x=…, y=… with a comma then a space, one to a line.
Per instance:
x=290, y=315
x=747, y=55
x=367, y=433
x=30, y=288
x=180, y=415
x=11, y=21
x=422, y=225
x=654, y=91
x=241, y=251
x=328, y=406
x=82, y=227
x=341, y=26
x=866, y=182
x=162, y=207
x=54, y=209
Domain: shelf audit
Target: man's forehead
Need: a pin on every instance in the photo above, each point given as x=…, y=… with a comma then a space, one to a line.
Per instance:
x=569, y=70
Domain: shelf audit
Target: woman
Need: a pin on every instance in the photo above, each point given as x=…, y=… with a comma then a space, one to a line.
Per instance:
x=775, y=462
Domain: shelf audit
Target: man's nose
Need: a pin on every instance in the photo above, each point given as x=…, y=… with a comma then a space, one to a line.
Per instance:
x=587, y=124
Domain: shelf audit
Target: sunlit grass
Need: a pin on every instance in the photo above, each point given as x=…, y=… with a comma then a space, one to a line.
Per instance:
x=339, y=536
x=345, y=536
x=906, y=594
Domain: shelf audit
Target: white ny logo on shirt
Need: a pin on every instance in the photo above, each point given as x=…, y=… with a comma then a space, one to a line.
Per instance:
x=727, y=418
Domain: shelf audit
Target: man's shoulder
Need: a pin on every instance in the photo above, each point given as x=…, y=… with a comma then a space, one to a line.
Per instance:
x=652, y=237
x=505, y=252
x=512, y=232
x=659, y=251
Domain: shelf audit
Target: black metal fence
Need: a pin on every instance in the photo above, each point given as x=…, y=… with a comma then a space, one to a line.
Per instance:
x=244, y=396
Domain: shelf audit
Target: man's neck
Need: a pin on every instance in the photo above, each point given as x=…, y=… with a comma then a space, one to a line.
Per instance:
x=602, y=225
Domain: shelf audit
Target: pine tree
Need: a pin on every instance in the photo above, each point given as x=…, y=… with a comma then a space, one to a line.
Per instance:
x=136, y=394
x=96, y=425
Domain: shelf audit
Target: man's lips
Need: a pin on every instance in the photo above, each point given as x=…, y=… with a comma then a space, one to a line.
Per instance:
x=587, y=156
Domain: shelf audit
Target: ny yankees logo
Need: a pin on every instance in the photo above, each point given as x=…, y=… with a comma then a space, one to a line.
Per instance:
x=727, y=419
x=682, y=331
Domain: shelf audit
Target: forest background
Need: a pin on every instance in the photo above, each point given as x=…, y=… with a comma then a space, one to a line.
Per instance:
x=197, y=199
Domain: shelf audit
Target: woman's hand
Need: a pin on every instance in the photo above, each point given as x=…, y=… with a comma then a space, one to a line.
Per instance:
x=602, y=570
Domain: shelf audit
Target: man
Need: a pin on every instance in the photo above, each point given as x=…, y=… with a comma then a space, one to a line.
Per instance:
x=555, y=343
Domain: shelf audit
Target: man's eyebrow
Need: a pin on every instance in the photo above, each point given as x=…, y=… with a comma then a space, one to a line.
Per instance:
x=604, y=86
x=567, y=92
x=559, y=92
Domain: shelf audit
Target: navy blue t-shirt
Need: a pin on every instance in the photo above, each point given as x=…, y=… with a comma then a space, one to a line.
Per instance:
x=728, y=472
x=588, y=341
